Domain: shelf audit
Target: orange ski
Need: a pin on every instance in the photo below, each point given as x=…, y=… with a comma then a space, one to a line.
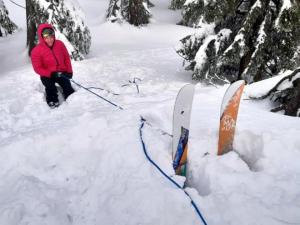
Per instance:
x=229, y=112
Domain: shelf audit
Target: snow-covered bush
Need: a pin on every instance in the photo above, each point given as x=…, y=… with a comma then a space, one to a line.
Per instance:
x=68, y=20
x=251, y=40
x=287, y=94
x=6, y=25
x=135, y=12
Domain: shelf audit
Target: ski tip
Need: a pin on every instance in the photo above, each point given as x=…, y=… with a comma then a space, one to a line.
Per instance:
x=230, y=92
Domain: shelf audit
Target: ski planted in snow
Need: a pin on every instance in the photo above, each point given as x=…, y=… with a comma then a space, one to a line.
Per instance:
x=228, y=116
x=181, y=126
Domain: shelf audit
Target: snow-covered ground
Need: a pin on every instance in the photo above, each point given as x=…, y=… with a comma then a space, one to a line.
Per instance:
x=83, y=163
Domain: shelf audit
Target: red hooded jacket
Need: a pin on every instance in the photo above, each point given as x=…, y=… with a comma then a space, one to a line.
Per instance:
x=46, y=60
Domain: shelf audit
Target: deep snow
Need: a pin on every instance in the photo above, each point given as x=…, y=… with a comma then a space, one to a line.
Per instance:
x=82, y=163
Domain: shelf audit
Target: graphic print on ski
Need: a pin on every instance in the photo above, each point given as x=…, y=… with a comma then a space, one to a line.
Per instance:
x=228, y=116
x=181, y=126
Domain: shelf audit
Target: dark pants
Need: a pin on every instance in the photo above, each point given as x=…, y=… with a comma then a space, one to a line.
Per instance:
x=51, y=90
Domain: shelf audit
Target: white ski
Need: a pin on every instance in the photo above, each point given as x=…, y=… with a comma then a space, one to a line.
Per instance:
x=181, y=126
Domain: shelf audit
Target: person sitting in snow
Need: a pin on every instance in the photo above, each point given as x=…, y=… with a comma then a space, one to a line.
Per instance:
x=50, y=59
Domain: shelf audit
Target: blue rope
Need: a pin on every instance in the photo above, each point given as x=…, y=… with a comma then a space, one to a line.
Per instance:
x=145, y=151
x=119, y=107
x=102, y=89
x=165, y=175
x=156, y=128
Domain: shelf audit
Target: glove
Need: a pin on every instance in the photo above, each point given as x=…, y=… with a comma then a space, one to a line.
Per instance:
x=55, y=75
x=69, y=75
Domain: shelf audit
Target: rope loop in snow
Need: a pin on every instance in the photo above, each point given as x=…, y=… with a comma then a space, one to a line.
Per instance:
x=165, y=175
x=143, y=121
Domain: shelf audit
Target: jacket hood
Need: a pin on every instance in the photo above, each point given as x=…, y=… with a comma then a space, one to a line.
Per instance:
x=41, y=28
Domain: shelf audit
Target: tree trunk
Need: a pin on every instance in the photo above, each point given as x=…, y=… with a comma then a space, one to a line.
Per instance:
x=137, y=12
x=31, y=26
x=293, y=105
x=132, y=11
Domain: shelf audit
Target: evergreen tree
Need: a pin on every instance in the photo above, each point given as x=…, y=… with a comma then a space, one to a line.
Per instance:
x=177, y=4
x=135, y=12
x=241, y=39
x=67, y=19
x=6, y=25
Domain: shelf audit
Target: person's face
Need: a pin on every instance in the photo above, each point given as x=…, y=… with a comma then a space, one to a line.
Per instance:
x=49, y=40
